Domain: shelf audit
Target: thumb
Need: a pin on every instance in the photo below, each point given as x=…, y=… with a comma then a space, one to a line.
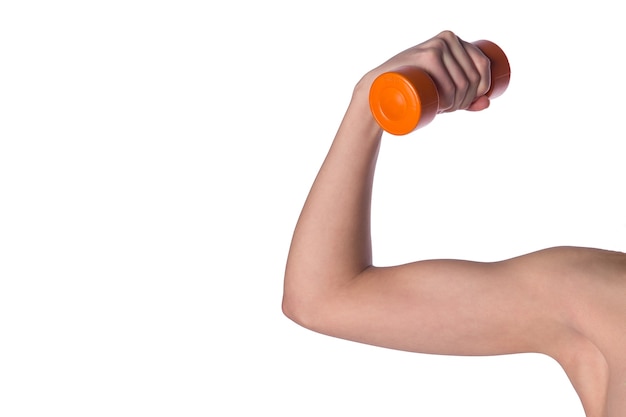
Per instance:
x=481, y=103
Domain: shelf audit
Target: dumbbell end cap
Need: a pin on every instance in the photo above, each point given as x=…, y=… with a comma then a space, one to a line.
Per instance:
x=403, y=100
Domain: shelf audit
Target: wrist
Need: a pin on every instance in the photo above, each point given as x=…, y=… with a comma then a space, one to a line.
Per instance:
x=359, y=107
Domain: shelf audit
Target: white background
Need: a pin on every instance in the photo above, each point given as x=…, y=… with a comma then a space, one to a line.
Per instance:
x=155, y=155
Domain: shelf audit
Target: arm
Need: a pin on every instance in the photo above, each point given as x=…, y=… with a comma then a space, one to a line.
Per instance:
x=438, y=306
x=330, y=283
x=565, y=302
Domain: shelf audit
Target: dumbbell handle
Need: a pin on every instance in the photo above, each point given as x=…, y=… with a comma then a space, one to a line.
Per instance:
x=406, y=99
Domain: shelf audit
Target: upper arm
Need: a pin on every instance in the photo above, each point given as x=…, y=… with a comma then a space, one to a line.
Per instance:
x=462, y=307
x=442, y=306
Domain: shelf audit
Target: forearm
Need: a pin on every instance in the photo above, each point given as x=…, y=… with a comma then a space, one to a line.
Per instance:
x=331, y=242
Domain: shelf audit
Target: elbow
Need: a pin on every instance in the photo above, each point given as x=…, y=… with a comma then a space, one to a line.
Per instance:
x=290, y=308
x=303, y=306
x=294, y=307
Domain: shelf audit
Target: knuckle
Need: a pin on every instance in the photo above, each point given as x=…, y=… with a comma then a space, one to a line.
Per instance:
x=482, y=62
x=438, y=43
x=447, y=34
x=473, y=77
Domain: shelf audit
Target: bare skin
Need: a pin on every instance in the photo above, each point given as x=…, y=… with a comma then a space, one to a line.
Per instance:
x=566, y=302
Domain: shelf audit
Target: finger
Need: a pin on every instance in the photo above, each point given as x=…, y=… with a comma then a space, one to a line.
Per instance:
x=444, y=70
x=430, y=56
x=483, y=66
x=468, y=77
x=462, y=70
x=456, y=90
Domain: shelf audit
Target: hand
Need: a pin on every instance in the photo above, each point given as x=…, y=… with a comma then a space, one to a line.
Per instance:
x=459, y=69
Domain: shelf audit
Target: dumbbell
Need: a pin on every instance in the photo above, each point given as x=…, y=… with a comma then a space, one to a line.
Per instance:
x=406, y=99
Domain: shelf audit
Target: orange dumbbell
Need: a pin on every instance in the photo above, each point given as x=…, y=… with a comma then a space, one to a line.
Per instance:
x=406, y=99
